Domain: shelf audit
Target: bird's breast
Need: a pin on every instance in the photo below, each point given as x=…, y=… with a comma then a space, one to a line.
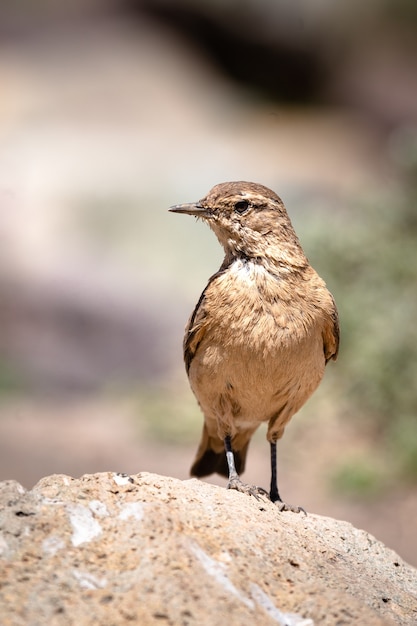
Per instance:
x=257, y=345
x=249, y=305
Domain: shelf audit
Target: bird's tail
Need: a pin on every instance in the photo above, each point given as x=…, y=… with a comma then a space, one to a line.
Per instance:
x=211, y=457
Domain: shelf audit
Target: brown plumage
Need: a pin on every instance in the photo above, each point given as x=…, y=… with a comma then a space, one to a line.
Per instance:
x=261, y=333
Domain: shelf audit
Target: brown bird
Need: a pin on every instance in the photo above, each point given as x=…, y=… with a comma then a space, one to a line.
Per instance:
x=263, y=329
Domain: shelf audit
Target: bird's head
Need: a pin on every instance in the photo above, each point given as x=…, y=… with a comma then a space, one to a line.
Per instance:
x=249, y=220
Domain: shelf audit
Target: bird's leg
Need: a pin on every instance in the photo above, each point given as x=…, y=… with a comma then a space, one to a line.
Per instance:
x=274, y=493
x=234, y=479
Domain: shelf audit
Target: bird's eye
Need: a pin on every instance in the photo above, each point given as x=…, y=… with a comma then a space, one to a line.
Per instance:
x=241, y=206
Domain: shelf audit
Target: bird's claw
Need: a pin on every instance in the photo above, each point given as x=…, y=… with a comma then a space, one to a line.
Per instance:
x=250, y=490
x=283, y=506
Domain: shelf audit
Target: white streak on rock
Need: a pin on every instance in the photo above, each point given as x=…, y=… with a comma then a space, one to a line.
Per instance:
x=51, y=545
x=85, y=527
x=217, y=571
x=284, y=619
x=121, y=479
x=132, y=509
x=3, y=545
x=89, y=581
x=98, y=508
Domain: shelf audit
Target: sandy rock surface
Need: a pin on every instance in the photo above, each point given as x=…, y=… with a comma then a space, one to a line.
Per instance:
x=147, y=549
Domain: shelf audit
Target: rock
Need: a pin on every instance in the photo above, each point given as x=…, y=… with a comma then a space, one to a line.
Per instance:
x=111, y=549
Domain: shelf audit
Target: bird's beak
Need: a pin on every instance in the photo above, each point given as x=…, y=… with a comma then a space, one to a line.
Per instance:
x=192, y=208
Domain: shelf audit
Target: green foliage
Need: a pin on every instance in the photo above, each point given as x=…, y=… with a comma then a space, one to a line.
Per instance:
x=402, y=446
x=368, y=255
x=358, y=477
x=170, y=415
x=10, y=380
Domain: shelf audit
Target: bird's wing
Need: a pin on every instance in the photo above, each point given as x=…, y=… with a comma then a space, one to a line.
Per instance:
x=196, y=326
x=331, y=334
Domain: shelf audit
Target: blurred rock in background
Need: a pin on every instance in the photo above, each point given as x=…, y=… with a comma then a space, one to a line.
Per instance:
x=112, y=111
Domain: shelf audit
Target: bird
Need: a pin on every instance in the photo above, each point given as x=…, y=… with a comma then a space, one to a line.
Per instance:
x=259, y=338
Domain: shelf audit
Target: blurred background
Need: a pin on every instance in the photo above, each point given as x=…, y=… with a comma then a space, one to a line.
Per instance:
x=110, y=112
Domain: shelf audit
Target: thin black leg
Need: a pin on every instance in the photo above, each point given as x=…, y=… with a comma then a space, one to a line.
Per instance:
x=274, y=493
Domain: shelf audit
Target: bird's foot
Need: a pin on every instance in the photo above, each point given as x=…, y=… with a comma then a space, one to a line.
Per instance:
x=283, y=506
x=250, y=490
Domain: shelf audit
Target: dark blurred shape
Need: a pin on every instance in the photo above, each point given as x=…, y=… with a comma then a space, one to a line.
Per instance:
x=345, y=53
x=61, y=338
x=286, y=66
x=339, y=53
